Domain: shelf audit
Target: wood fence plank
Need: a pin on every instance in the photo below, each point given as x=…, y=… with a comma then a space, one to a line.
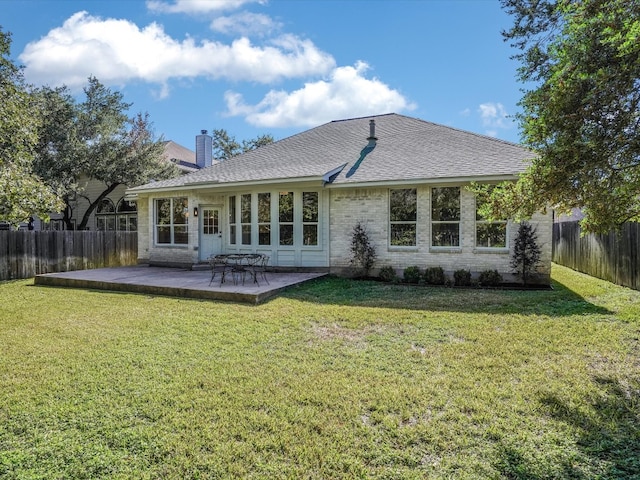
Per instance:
x=24, y=253
x=613, y=257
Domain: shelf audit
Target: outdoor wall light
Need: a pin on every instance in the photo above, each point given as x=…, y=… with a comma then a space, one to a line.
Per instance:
x=195, y=211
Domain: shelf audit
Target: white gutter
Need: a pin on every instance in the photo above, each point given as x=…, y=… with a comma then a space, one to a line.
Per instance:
x=422, y=181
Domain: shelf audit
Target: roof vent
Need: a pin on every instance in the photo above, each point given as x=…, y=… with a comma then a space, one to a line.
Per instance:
x=372, y=132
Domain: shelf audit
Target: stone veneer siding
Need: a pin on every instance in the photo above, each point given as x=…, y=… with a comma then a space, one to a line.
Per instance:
x=371, y=207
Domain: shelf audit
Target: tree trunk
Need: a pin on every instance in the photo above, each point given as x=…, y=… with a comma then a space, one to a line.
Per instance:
x=94, y=205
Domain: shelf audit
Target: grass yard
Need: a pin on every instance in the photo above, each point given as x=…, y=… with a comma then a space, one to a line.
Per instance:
x=334, y=379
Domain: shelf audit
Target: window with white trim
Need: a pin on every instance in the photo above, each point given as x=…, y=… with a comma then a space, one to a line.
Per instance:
x=105, y=215
x=310, y=218
x=264, y=218
x=403, y=216
x=490, y=234
x=285, y=218
x=232, y=220
x=127, y=216
x=171, y=217
x=245, y=218
x=445, y=217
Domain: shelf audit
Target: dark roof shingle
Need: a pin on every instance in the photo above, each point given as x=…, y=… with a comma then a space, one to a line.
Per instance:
x=407, y=149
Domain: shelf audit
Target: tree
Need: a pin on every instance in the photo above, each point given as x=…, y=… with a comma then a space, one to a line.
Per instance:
x=225, y=146
x=95, y=140
x=363, y=253
x=526, y=252
x=22, y=194
x=581, y=116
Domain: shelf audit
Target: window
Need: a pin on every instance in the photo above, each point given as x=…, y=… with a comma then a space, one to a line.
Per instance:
x=105, y=215
x=264, y=219
x=232, y=220
x=310, y=218
x=403, y=214
x=245, y=218
x=127, y=216
x=171, y=221
x=285, y=218
x=445, y=217
x=490, y=234
x=210, y=221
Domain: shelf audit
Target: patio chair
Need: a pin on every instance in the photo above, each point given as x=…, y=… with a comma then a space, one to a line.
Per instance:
x=260, y=268
x=219, y=266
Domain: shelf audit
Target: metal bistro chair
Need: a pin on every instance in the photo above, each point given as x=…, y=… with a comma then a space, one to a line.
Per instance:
x=260, y=268
x=219, y=265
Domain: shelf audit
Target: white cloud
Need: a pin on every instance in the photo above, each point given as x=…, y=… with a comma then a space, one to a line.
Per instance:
x=494, y=117
x=245, y=24
x=346, y=94
x=197, y=6
x=116, y=51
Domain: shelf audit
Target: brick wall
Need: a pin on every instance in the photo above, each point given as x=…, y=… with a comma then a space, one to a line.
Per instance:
x=371, y=208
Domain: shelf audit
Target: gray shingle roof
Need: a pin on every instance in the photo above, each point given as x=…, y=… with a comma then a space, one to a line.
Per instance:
x=407, y=149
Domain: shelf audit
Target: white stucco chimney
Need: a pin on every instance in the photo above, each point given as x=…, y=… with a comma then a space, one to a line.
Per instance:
x=204, y=149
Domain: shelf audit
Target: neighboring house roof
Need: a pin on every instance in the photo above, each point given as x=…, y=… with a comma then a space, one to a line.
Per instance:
x=184, y=158
x=406, y=150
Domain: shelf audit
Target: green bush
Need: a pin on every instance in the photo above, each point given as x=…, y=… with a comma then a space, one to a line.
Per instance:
x=434, y=276
x=489, y=278
x=387, y=274
x=462, y=278
x=363, y=253
x=411, y=274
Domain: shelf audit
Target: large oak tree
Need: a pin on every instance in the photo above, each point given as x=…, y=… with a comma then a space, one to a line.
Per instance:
x=95, y=140
x=580, y=63
x=22, y=193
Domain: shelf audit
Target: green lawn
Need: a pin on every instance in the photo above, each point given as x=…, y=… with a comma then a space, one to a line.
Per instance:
x=333, y=379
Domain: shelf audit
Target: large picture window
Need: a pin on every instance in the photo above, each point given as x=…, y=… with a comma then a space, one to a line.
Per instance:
x=445, y=217
x=171, y=215
x=490, y=234
x=310, y=218
x=403, y=215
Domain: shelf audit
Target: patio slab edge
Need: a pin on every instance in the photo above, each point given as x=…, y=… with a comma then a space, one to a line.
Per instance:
x=56, y=280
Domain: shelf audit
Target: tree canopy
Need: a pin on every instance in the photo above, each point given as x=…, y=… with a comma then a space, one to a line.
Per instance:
x=580, y=115
x=95, y=140
x=22, y=194
x=225, y=145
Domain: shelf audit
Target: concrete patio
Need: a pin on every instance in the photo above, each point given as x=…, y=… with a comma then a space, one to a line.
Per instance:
x=175, y=282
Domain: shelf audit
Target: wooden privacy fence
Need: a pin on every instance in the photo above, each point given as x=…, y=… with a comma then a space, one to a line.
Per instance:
x=612, y=257
x=24, y=254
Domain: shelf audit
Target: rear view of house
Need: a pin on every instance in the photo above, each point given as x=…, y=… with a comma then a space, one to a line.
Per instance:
x=298, y=200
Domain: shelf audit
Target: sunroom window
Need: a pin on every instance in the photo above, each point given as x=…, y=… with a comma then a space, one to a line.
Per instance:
x=310, y=218
x=264, y=218
x=245, y=218
x=285, y=218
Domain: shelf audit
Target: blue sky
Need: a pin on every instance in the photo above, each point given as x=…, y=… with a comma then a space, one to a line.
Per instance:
x=276, y=67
